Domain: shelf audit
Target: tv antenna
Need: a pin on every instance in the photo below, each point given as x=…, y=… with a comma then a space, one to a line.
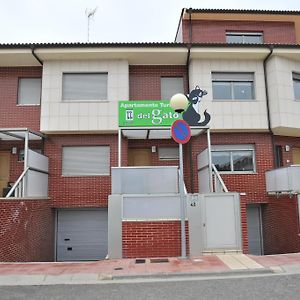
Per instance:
x=90, y=14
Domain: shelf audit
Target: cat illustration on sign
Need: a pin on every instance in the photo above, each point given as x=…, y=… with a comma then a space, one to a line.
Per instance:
x=191, y=115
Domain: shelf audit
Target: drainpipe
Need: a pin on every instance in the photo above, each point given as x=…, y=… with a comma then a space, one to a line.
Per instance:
x=35, y=56
x=190, y=146
x=268, y=103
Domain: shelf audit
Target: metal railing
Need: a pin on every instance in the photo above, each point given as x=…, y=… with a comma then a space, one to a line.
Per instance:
x=19, y=188
x=219, y=185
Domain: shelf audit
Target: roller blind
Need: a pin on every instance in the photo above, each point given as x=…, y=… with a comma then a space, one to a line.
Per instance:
x=84, y=86
x=86, y=160
x=170, y=86
x=29, y=91
x=168, y=153
x=230, y=76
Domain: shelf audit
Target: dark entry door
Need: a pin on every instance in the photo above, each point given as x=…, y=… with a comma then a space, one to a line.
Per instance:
x=139, y=157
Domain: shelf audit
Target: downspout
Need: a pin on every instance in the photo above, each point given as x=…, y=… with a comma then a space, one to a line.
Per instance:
x=35, y=56
x=271, y=48
x=190, y=147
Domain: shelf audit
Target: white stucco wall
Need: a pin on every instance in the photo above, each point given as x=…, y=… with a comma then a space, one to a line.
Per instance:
x=59, y=116
x=232, y=115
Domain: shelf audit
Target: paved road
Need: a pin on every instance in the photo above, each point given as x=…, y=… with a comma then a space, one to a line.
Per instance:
x=267, y=287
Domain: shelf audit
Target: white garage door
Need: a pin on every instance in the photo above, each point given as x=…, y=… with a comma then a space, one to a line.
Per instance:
x=81, y=234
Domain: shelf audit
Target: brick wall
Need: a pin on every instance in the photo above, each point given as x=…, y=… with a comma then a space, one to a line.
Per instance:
x=281, y=225
x=206, y=31
x=11, y=114
x=152, y=239
x=78, y=191
x=292, y=142
x=26, y=231
x=144, y=81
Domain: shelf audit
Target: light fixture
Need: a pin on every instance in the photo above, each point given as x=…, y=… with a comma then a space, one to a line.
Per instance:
x=179, y=102
x=153, y=149
x=14, y=150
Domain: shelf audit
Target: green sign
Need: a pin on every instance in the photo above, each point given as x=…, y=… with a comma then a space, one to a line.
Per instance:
x=146, y=114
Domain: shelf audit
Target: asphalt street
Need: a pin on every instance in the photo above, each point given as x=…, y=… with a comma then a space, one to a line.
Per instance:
x=262, y=287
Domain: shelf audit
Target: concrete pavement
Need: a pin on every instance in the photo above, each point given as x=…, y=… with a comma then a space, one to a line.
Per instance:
x=110, y=270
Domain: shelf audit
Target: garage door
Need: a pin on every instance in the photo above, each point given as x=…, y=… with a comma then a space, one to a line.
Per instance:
x=81, y=235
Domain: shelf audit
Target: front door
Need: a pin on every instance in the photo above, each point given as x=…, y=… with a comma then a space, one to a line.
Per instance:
x=139, y=157
x=4, y=170
x=296, y=156
x=254, y=225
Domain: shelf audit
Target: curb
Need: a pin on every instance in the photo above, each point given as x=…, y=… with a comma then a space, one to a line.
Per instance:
x=164, y=275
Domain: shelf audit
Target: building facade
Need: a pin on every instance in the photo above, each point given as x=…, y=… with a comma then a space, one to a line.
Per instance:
x=249, y=64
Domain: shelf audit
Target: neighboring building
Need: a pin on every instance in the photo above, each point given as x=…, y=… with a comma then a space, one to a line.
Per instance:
x=248, y=62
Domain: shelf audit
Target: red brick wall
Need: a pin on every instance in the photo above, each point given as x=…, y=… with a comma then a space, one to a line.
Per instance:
x=281, y=225
x=152, y=239
x=206, y=31
x=144, y=81
x=11, y=114
x=26, y=231
x=88, y=191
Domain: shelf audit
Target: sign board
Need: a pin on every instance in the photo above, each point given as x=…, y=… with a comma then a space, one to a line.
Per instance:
x=146, y=113
x=181, y=132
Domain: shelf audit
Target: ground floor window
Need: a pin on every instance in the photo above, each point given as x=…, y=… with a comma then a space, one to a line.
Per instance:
x=234, y=158
x=85, y=160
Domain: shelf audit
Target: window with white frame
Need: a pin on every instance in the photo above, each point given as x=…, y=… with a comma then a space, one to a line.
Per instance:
x=85, y=160
x=244, y=37
x=296, y=83
x=234, y=158
x=233, y=86
x=84, y=86
x=29, y=91
x=170, y=86
x=168, y=153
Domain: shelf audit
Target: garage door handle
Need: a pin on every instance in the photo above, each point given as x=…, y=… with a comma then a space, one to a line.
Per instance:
x=69, y=248
x=67, y=239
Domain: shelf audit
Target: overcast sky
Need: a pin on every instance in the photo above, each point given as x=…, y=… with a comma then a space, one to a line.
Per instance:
x=115, y=20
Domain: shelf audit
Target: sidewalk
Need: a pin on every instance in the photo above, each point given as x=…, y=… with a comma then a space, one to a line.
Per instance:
x=96, y=272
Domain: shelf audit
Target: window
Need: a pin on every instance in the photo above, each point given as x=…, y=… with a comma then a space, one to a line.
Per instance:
x=29, y=91
x=233, y=86
x=296, y=82
x=168, y=153
x=244, y=37
x=170, y=86
x=84, y=86
x=233, y=158
x=85, y=160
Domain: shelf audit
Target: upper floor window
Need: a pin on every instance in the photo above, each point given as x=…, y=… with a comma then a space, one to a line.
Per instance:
x=234, y=158
x=85, y=160
x=84, y=86
x=170, y=86
x=233, y=86
x=29, y=91
x=296, y=83
x=244, y=37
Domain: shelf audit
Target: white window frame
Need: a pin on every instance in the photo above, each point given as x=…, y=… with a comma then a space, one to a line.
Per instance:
x=40, y=91
x=63, y=96
x=84, y=174
x=296, y=78
x=175, y=91
x=233, y=78
x=242, y=35
x=168, y=156
x=236, y=148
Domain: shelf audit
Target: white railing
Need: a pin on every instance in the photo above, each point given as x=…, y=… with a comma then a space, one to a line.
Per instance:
x=219, y=185
x=19, y=188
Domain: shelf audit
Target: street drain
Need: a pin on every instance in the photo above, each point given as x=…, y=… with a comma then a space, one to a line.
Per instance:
x=159, y=260
x=140, y=261
x=118, y=268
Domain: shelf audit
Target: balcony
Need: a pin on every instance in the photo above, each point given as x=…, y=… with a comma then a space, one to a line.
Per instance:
x=285, y=180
